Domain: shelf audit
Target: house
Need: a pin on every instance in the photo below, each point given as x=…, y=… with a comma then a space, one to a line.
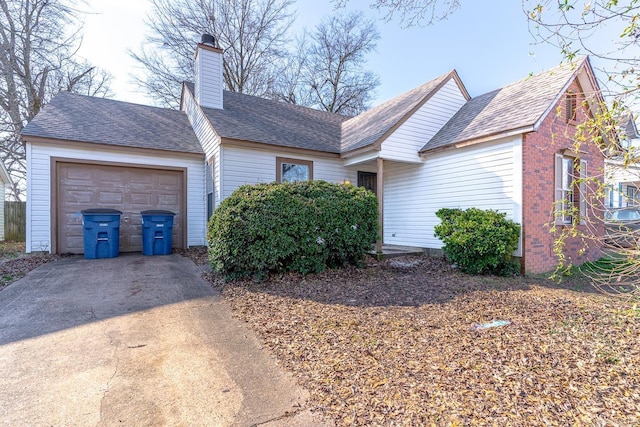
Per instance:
x=432, y=147
x=623, y=178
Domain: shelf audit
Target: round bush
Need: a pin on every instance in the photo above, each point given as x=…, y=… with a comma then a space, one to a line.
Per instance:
x=479, y=241
x=302, y=226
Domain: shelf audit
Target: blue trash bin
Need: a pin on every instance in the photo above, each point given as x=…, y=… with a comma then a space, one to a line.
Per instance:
x=157, y=232
x=101, y=233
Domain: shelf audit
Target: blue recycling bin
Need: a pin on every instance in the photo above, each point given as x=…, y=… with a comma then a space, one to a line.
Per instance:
x=157, y=232
x=101, y=233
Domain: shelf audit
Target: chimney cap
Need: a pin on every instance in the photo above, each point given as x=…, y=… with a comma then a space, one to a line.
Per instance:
x=208, y=39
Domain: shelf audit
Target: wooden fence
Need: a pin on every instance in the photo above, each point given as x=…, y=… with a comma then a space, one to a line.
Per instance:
x=15, y=220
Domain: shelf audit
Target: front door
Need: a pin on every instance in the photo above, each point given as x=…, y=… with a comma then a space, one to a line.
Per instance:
x=368, y=180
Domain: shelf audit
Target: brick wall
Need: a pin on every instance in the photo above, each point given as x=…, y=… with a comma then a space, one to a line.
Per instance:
x=538, y=157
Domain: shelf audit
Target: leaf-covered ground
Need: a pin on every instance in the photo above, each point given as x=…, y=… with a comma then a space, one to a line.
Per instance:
x=397, y=343
x=15, y=263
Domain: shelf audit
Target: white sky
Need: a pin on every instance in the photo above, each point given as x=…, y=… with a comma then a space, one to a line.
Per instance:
x=110, y=29
x=489, y=45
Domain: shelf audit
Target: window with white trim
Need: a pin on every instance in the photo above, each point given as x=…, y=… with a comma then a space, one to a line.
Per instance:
x=292, y=170
x=570, y=189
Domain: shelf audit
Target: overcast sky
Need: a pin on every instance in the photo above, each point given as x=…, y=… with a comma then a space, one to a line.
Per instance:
x=487, y=42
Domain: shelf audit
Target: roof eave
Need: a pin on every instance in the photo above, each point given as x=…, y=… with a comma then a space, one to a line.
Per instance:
x=357, y=151
x=274, y=147
x=486, y=138
x=45, y=140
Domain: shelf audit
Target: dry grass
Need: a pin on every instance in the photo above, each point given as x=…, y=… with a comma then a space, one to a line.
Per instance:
x=394, y=344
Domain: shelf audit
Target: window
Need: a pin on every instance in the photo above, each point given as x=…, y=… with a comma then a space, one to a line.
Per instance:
x=570, y=189
x=633, y=196
x=571, y=106
x=611, y=194
x=209, y=179
x=291, y=170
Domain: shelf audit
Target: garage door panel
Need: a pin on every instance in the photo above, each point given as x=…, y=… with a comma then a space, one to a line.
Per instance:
x=130, y=190
x=75, y=241
x=137, y=179
x=71, y=219
x=114, y=177
x=141, y=199
x=78, y=196
x=80, y=175
x=167, y=199
x=110, y=198
x=169, y=181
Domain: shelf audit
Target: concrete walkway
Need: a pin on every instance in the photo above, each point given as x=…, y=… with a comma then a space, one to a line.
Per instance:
x=134, y=341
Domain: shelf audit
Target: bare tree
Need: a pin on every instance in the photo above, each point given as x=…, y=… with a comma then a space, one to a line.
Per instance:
x=291, y=85
x=608, y=31
x=412, y=12
x=327, y=70
x=251, y=32
x=37, y=48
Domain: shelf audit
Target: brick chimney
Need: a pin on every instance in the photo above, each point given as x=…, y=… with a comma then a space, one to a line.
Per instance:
x=208, y=73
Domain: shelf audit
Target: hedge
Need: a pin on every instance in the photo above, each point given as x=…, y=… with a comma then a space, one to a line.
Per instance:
x=302, y=226
x=479, y=241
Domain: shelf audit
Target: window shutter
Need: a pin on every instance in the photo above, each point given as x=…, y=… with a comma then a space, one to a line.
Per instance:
x=583, y=192
x=558, y=191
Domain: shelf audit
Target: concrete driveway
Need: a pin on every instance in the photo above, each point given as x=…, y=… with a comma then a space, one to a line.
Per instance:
x=134, y=341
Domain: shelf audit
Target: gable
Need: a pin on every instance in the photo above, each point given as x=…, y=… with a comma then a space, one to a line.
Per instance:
x=516, y=108
x=372, y=127
x=405, y=142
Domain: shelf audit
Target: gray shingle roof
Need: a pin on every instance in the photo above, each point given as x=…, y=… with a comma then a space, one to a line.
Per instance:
x=250, y=118
x=518, y=105
x=104, y=121
x=367, y=128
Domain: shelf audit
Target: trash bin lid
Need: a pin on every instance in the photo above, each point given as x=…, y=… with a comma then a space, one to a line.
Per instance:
x=102, y=211
x=157, y=212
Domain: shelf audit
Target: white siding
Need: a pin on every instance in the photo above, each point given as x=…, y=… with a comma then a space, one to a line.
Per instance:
x=39, y=187
x=251, y=166
x=209, y=140
x=403, y=144
x=208, y=78
x=486, y=176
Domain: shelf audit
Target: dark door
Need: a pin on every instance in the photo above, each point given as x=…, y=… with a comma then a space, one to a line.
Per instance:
x=368, y=180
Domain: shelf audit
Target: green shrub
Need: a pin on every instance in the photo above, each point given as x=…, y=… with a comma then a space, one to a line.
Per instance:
x=303, y=226
x=479, y=241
